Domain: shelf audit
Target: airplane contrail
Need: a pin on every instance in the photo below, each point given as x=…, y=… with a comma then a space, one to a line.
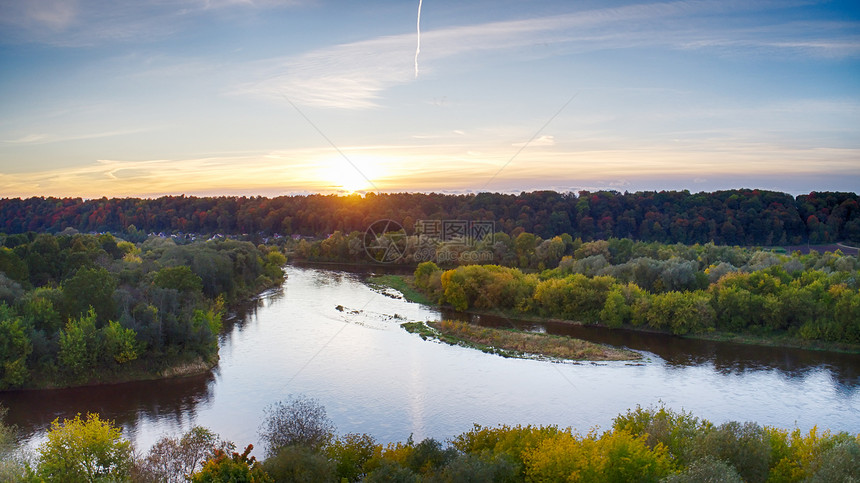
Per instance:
x=418, y=47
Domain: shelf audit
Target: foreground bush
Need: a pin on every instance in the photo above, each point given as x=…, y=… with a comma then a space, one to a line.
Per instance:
x=643, y=445
x=88, y=450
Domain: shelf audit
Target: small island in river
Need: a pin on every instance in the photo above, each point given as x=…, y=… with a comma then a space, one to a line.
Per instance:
x=517, y=343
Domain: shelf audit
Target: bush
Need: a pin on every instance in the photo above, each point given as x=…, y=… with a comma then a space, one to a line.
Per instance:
x=84, y=450
x=428, y=456
x=470, y=467
x=391, y=472
x=707, y=470
x=675, y=431
x=173, y=460
x=298, y=421
x=299, y=463
x=237, y=468
x=745, y=446
x=350, y=453
x=840, y=463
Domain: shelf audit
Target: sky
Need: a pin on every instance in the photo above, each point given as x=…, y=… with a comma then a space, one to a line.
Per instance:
x=275, y=97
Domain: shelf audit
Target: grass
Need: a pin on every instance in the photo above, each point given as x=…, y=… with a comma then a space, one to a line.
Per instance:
x=519, y=344
x=402, y=284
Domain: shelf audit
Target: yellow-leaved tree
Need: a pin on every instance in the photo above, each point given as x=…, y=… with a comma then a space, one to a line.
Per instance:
x=87, y=450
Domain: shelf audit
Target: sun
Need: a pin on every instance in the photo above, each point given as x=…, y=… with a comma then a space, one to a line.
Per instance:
x=349, y=179
x=357, y=174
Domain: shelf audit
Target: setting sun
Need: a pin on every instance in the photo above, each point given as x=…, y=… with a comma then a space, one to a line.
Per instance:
x=350, y=180
x=350, y=173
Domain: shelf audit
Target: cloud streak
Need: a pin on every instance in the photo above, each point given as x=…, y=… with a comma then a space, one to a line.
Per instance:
x=86, y=23
x=35, y=139
x=354, y=75
x=435, y=167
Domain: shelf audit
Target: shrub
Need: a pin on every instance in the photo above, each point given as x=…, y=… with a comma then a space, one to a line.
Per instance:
x=350, y=453
x=84, y=450
x=237, y=468
x=297, y=421
x=707, y=470
x=173, y=460
x=299, y=463
x=745, y=446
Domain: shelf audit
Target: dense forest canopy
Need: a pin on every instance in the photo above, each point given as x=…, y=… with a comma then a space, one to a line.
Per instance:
x=83, y=308
x=733, y=217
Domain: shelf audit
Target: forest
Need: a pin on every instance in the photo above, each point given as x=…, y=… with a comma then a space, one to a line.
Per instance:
x=680, y=289
x=653, y=444
x=732, y=217
x=77, y=309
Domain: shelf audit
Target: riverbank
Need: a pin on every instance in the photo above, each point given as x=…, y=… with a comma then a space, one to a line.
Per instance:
x=133, y=371
x=404, y=285
x=150, y=368
x=518, y=344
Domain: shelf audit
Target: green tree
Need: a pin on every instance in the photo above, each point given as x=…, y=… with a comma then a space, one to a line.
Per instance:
x=681, y=312
x=87, y=450
x=747, y=447
x=39, y=310
x=350, y=452
x=839, y=463
x=80, y=346
x=615, y=311
x=12, y=265
x=707, y=470
x=662, y=426
x=423, y=274
x=15, y=347
x=90, y=288
x=525, y=245
x=120, y=343
x=179, y=278
x=43, y=260
x=471, y=467
x=300, y=463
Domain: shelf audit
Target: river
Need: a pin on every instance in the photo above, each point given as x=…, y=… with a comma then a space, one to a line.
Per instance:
x=373, y=377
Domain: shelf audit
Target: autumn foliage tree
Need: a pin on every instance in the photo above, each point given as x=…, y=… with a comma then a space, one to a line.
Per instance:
x=87, y=450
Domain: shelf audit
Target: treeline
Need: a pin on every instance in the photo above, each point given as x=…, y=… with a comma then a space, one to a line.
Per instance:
x=675, y=288
x=643, y=445
x=734, y=217
x=82, y=308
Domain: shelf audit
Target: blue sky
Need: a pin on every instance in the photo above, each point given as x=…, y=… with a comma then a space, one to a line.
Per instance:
x=153, y=97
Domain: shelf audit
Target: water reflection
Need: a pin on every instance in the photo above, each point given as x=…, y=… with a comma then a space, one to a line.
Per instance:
x=173, y=401
x=726, y=358
x=374, y=377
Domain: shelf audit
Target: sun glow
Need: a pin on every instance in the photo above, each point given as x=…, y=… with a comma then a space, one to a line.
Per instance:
x=356, y=175
x=349, y=180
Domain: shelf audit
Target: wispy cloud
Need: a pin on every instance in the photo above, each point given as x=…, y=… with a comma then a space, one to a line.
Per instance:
x=435, y=167
x=33, y=139
x=354, y=75
x=540, y=141
x=26, y=139
x=82, y=23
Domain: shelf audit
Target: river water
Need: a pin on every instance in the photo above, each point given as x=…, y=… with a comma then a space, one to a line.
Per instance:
x=373, y=377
